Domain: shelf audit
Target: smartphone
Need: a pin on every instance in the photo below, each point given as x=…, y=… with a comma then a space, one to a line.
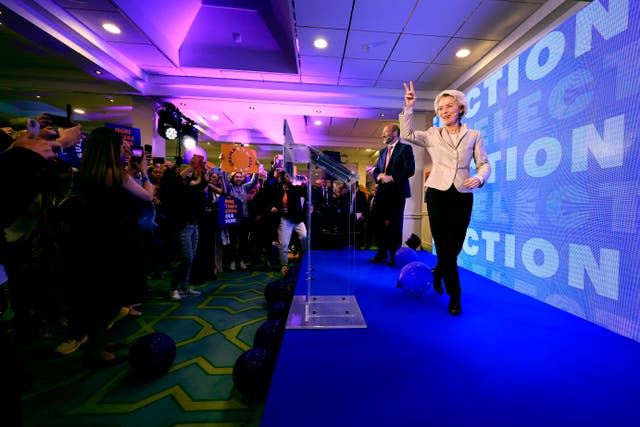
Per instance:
x=147, y=151
x=136, y=154
x=63, y=121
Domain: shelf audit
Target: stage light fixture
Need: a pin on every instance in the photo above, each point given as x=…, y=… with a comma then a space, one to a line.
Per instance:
x=189, y=135
x=169, y=121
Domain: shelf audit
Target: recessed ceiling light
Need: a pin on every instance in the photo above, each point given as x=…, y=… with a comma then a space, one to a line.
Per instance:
x=112, y=28
x=463, y=53
x=98, y=72
x=320, y=43
x=317, y=122
x=214, y=117
x=78, y=111
x=38, y=96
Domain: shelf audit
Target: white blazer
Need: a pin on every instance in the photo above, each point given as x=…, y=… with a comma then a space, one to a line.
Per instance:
x=451, y=163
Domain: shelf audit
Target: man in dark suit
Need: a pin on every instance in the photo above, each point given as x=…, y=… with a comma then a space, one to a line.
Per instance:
x=392, y=172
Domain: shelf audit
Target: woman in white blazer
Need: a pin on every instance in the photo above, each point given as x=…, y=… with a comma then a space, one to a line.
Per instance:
x=448, y=189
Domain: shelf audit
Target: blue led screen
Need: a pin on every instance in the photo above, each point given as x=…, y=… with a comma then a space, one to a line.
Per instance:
x=558, y=218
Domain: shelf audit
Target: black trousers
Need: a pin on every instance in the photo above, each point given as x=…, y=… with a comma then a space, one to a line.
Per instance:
x=449, y=217
x=388, y=217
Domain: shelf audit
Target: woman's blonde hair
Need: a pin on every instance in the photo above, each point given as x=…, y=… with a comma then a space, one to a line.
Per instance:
x=458, y=96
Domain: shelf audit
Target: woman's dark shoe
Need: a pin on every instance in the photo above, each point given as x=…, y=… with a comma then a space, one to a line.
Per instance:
x=437, y=281
x=454, y=305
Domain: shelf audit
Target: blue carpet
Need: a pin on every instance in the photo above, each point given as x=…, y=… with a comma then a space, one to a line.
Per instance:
x=509, y=360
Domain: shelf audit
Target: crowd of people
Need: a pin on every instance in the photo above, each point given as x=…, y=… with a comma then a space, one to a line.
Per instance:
x=117, y=220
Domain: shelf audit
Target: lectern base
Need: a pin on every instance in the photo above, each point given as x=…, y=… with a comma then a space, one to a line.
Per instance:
x=327, y=311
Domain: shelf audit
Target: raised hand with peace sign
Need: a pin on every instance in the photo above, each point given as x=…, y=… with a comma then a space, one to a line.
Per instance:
x=409, y=96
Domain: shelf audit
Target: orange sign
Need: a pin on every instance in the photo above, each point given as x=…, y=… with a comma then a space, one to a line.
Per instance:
x=235, y=158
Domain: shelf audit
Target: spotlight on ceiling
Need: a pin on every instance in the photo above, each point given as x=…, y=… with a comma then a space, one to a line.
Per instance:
x=463, y=53
x=320, y=43
x=112, y=28
x=189, y=135
x=169, y=121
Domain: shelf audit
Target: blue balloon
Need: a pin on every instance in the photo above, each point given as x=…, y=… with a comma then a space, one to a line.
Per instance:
x=252, y=373
x=269, y=335
x=404, y=256
x=279, y=311
x=152, y=355
x=415, y=277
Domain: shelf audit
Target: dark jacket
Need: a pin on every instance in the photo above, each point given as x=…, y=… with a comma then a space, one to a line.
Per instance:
x=296, y=202
x=401, y=167
x=23, y=174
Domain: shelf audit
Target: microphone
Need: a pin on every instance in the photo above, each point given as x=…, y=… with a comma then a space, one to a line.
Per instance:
x=389, y=140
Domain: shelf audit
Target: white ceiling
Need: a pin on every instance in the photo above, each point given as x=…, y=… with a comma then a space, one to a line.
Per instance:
x=253, y=64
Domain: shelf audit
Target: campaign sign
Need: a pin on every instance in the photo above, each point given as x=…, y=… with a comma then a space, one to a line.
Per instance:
x=228, y=211
x=130, y=135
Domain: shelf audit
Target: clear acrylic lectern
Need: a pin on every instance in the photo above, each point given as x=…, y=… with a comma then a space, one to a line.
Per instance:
x=328, y=300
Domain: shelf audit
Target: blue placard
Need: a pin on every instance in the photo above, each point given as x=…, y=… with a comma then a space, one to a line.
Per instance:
x=129, y=135
x=72, y=155
x=229, y=211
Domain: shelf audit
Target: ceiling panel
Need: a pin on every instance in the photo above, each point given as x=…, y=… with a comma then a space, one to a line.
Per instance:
x=334, y=14
x=87, y=4
x=335, y=38
x=362, y=68
x=370, y=44
x=478, y=48
x=149, y=55
x=438, y=76
x=271, y=65
x=377, y=15
x=442, y=18
x=400, y=70
x=482, y=24
x=413, y=48
x=94, y=19
x=320, y=67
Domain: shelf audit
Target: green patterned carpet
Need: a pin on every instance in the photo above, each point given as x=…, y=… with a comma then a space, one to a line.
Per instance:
x=210, y=332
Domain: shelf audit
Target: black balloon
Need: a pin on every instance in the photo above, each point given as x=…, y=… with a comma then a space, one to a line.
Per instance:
x=279, y=311
x=252, y=373
x=269, y=335
x=152, y=354
x=271, y=292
